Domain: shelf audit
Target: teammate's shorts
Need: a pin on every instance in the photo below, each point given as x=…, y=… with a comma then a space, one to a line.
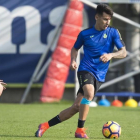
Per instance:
x=84, y=78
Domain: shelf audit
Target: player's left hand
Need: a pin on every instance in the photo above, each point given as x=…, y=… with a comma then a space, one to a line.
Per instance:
x=106, y=57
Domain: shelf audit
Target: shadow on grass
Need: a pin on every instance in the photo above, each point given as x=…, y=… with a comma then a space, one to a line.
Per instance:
x=94, y=138
x=17, y=136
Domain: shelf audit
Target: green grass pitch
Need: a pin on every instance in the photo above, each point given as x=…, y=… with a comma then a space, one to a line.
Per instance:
x=19, y=122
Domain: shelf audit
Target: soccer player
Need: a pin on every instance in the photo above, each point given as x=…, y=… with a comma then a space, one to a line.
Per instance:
x=98, y=44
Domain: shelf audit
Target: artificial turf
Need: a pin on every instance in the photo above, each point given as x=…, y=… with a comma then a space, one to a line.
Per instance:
x=19, y=122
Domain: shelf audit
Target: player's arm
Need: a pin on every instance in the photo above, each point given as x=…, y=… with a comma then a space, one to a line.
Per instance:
x=121, y=53
x=74, y=51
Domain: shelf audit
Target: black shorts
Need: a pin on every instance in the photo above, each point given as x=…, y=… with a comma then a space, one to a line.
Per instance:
x=84, y=78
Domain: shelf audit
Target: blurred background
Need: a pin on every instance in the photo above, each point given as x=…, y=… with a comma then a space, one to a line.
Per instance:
x=34, y=61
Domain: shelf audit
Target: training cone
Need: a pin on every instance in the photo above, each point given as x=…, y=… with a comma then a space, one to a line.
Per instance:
x=117, y=103
x=131, y=103
x=104, y=102
x=93, y=104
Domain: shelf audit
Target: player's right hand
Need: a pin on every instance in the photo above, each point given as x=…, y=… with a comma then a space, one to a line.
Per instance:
x=73, y=65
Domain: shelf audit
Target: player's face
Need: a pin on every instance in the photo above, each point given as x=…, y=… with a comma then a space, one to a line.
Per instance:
x=102, y=22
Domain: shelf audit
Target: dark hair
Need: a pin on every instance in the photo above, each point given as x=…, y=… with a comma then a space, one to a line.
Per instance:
x=104, y=8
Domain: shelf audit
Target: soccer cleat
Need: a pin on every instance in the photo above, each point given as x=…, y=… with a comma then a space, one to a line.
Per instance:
x=41, y=129
x=80, y=133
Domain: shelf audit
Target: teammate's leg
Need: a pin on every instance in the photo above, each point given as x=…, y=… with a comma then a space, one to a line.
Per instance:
x=63, y=115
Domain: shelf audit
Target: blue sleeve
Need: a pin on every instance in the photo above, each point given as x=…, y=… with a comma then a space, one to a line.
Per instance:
x=79, y=42
x=117, y=39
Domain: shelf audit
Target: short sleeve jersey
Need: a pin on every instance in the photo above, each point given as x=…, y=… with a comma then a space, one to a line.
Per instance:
x=96, y=43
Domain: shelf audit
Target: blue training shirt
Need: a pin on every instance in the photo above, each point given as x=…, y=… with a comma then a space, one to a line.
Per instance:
x=96, y=43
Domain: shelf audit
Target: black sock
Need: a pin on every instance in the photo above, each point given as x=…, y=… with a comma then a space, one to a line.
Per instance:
x=54, y=121
x=81, y=123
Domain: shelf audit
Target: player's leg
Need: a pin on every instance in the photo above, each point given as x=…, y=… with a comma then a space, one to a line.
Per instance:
x=84, y=109
x=69, y=112
x=88, y=96
x=63, y=115
x=89, y=86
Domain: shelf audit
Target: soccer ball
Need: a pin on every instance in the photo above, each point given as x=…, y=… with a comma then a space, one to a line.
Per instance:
x=111, y=130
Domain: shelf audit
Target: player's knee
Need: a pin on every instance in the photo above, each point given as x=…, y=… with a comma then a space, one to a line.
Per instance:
x=89, y=96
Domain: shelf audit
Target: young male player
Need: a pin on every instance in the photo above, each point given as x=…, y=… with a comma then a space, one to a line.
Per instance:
x=98, y=44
